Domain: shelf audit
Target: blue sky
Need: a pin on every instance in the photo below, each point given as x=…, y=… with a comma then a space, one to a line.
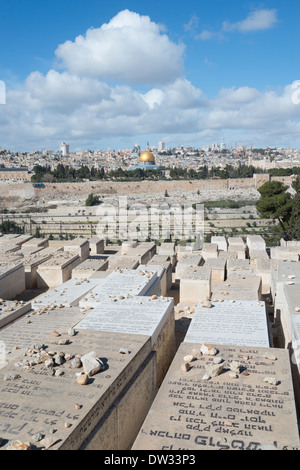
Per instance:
x=110, y=74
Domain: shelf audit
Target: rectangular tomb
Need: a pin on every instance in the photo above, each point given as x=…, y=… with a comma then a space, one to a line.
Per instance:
x=67, y=294
x=221, y=242
x=238, y=287
x=218, y=268
x=236, y=323
x=79, y=246
x=11, y=310
x=121, y=283
x=224, y=413
x=165, y=273
x=105, y=414
x=195, y=284
x=97, y=246
x=140, y=316
x=57, y=270
x=88, y=268
x=12, y=280
x=187, y=261
x=210, y=250
x=32, y=262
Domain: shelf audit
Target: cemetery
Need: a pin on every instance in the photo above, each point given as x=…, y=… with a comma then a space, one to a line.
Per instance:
x=141, y=346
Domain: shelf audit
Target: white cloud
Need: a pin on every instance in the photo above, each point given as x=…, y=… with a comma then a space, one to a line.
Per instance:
x=59, y=105
x=129, y=49
x=83, y=108
x=256, y=21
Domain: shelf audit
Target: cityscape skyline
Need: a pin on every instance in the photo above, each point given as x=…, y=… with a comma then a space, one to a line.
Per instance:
x=111, y=75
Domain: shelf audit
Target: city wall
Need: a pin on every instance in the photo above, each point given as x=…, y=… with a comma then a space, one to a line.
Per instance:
x=13, y=194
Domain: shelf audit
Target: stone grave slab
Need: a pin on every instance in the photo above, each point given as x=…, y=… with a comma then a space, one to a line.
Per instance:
x=8, y=238
x=88, y=268
x=9, y=249
x=35, y=328
x=166, y=278
x=221, y=242
x=166, y=249
x=57, y=270
x=12, y=280
x=263, y=270
x=256, y=243
x=36, y=243
x=237, y=245
x=97, y=246
x=284, y=253
x=227, y=255
x=257, y=255
x=143, y=252
x=134, y=315
x=67, y=294
x=241, y=267
x=79, y=246
x=122, y=262
x=11, y=310
x=218, y=268
x=242, y=323
x=195, y=284
x=31, y=263
x=138, y=316
x=121, y=282
x=106, y=413
x=210, y=250
x=283, y=273
x=186, y=261
x=238, y=288
x=223, y=413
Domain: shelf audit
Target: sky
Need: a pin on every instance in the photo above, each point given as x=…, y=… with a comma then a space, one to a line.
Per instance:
x=99, y=75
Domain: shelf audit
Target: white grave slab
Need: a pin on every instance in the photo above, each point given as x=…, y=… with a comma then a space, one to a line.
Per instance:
x=221, y=242
x=121, y=283
x=256, y=243
x=135, y=315
x=68, y=294
x=237, y=323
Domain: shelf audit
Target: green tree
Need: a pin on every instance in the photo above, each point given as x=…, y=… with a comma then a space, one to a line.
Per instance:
x=92, y=200
x=276, y=203
x=294, y=225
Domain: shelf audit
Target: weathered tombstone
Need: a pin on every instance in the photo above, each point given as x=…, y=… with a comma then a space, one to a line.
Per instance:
x=67, y=294
x=236, y=323
x=12, y=280
x=57, y=269
x=148, y=316
x=89, y=267
x=239, y=409
x=51, y=409
x=195, y=284
x=221, y=242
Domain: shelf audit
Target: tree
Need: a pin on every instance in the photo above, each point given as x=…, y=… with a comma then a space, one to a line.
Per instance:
x=92, y=200
x=294, y=225
x=275, y=203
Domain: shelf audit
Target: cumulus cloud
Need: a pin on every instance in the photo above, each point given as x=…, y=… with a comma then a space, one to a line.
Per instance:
x=261, y=114
x=129, y=49
x=82, y=107
x=59, y=105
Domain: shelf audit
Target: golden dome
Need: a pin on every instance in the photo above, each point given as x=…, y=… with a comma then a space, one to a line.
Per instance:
x=147, y=156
